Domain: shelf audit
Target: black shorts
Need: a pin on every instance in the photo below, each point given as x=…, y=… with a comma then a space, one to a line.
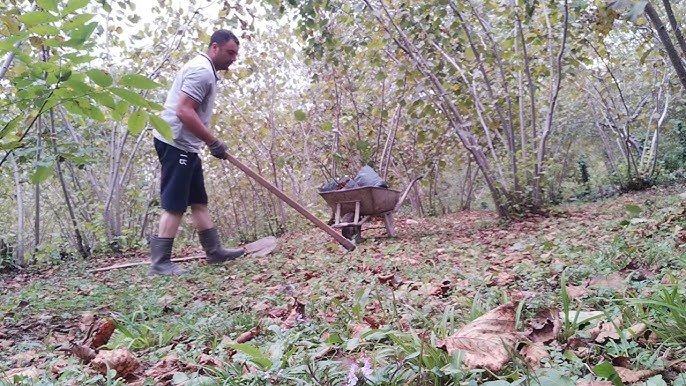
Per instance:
x=183, y=183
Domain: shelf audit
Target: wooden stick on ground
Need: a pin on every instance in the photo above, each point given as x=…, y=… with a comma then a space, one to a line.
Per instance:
x=147, y=262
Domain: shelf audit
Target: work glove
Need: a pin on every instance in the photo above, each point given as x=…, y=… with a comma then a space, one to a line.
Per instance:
x=218, y=149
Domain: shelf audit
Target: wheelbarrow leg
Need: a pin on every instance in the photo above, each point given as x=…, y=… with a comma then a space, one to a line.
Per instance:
x=389, y=222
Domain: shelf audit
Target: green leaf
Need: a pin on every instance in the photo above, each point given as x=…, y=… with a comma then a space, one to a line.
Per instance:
x=607, y=371
x=161, y=126
x=633, y=210
x=255, y=355
x=362, y=145
x=327, y=126
x=300, y=116
x=100, y=77
x=104, y=99
x=77, y=86
x=49, y=5
x=42, y=173
x=79, y=35
x=77, y=21
x=37, y=17
x=9, y=126
x=44, y=30
x=137, y=121
x=139, y=81
x=73, y=5
x=130, y=96
x=10, y=145
x=92, y=112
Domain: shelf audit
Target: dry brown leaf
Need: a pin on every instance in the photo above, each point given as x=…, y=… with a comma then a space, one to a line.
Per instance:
x=166, y=300
x=208, y=360
x=59, y=366
x=277, y=312
x=356, y=330
x=594, y=383
x=100, y=333
x=28, y=372
x=614, y=281
x=576, y=292
x=248, y=335
x=260, y=307
x=545, y=326
x=120, y=360
x=25, y=357
x=163, y=371
x=636, y=331
x=487, y=341
x=606, y=330
x=83, y=352
x=5, y=344
x=503, y=279
x=325, y=352
x=290, y=320
x=87, y=320
x=534, y=353
x=633, y=376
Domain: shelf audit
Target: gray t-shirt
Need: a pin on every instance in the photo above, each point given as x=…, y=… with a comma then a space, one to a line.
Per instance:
x=198, y=80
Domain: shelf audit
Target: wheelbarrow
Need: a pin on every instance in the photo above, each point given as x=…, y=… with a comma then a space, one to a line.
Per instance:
x=353, y=207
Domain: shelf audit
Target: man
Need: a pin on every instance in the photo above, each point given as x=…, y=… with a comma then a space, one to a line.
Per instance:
x=188, y=110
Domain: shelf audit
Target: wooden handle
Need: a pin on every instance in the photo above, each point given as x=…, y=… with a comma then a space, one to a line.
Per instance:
x=319, y=223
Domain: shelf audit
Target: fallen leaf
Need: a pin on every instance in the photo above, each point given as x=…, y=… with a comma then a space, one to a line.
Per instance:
x=633, y=376
x=163, y=371
x=503, y=279
x=83, y=352
x=27, y=372
x=165, y=301
x=59, y=366
x=24, y=358
x=534, y=353
x=208, y=360
x=100, y=333
x=594, y=383
x=120, y=360
x=606, y=330
x=325, y=352
x=248, y=335
x=545, y=326
x=87, y=320
x=614, y=281
x=487, y=341
x=575, y=292
x=636, y=331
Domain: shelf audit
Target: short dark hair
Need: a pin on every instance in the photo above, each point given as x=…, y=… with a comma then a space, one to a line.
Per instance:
x=222, y=36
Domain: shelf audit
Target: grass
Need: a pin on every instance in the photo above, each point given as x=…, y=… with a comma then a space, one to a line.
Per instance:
x=323, y=315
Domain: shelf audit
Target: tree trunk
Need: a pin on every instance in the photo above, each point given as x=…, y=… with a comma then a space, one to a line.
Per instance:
x=19, y=248
x=667, y=43
x=675, y=26
x=78, y=238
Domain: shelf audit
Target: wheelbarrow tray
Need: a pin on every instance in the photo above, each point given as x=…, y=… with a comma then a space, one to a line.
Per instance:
x=373, y=200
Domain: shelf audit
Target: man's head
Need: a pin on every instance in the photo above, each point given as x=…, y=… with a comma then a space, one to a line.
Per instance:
x=223, y=49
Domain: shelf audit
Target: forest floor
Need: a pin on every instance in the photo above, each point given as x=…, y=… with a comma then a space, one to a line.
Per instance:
x=593, y=294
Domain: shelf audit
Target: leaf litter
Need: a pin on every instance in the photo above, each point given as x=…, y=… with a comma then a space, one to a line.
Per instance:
x=459, y=261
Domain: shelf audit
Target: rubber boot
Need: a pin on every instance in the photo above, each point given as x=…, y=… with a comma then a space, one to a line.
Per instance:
x=160, y=256
x=216, y=254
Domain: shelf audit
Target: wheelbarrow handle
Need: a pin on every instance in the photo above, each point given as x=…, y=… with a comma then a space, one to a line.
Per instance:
x=407, y=190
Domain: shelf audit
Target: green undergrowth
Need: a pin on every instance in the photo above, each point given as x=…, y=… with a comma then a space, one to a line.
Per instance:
x=379, y=315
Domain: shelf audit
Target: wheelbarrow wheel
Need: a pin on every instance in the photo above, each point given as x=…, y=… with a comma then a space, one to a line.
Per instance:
x=352, y=233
